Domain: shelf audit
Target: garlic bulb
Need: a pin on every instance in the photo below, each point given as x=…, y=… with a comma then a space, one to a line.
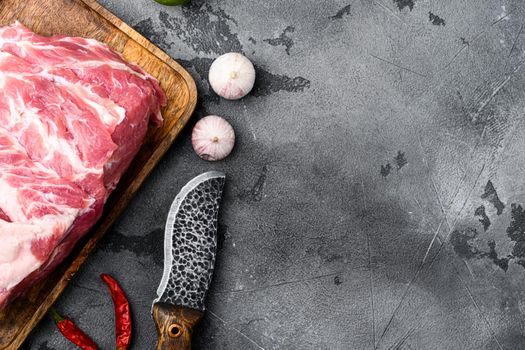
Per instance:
x=232, y=76
x=213, y=138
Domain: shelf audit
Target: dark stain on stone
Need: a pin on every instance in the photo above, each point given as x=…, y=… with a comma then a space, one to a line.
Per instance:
x=435, y=19
x=483, y=218
x=385, y=214
x=464, y=41
x=283, y=39
x=222, y=235
x=165, y=20
x=337, y=281
x=252, y=40
x=146, y=28
x=491, y=195
x=493, y=255
x=266, y=83
x=255, y=194
x=204, y=28
x=148, y=245
x=385, y=169
x=400, y=160
x=401, y=4
x=330, y=257
x=200, y=65
x=342, y=12
x=461, y=241
x=516, y=232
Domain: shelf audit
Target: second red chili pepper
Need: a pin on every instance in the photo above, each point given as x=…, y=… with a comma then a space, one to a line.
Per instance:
x=123, y=322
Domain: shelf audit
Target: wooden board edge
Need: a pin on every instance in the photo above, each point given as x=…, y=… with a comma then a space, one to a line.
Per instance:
x=51, y=298
x=132, y=33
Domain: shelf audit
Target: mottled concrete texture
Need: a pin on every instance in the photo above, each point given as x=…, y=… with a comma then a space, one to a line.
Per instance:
x=375, y=197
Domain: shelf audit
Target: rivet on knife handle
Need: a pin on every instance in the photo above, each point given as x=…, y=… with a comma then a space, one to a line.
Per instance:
x=175, y=325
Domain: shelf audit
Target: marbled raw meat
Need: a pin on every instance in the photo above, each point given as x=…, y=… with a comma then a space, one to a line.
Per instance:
x=73, y=114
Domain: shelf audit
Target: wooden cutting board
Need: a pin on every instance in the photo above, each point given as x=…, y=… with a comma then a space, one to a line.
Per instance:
x=88, y=19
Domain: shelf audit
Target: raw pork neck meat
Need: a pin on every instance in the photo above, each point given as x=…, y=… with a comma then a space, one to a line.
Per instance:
x=73, y=114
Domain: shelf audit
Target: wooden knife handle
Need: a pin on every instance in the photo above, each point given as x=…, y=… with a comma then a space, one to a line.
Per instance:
x=175, y=325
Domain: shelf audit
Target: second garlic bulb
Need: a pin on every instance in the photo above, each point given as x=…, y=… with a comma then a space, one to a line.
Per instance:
x=213, y=138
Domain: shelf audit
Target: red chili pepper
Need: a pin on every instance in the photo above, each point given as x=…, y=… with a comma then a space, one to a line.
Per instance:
x=122, y=312
x=71, y=331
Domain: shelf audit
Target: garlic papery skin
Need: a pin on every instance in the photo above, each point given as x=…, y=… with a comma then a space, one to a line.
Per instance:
x=212, y=138
x=232, y=76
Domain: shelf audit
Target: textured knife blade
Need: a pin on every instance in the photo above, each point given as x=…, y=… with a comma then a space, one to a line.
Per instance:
x=190, y=242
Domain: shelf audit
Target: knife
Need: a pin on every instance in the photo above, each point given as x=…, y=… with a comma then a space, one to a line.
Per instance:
x=190, y=244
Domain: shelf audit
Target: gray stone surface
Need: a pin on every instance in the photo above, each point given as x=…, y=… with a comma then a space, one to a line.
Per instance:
x=374, y=198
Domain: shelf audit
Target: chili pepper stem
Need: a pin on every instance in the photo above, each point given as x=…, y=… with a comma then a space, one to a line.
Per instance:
x=56, y=316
